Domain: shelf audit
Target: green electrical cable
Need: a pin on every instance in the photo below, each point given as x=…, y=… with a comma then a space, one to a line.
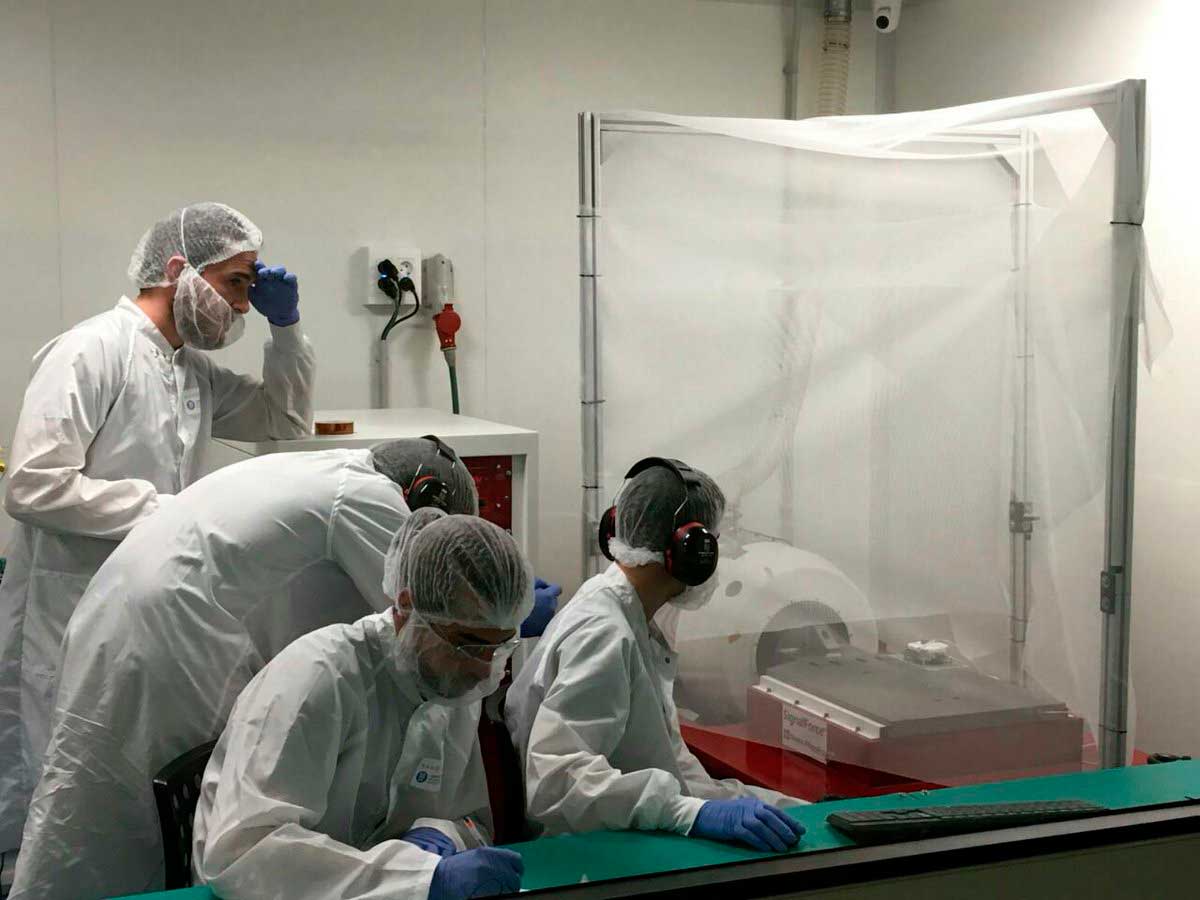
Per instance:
x=453, y=387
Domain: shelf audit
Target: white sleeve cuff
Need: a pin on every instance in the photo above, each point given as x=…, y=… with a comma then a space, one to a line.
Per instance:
x=446, y=827
x=680, y=814
x=287, y=337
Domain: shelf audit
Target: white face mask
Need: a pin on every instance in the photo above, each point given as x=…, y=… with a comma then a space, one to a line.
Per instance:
x=477, y=689
x=203, y=318
x=693, y=598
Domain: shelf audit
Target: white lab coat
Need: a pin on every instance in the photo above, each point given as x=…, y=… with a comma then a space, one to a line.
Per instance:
x=114, y=420
x=594, y=722
x=159, y=649
x=329, y=756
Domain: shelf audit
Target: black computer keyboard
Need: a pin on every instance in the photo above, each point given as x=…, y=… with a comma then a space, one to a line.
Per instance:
x=885, y=826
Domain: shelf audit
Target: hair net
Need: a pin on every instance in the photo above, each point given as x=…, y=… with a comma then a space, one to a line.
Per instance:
x=465, y=570
x=646, y=513
x=400, y=460
x=393, y=578
x=213, y=232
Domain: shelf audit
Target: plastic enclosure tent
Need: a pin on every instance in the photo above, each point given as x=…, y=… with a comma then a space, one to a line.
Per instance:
x=907, y=347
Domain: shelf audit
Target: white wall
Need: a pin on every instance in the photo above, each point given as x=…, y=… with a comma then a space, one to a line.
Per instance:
x=31, y=311
x=448, y=125
x=956, y=51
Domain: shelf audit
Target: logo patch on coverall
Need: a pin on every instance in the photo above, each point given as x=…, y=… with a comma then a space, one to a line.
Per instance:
x=428, y=776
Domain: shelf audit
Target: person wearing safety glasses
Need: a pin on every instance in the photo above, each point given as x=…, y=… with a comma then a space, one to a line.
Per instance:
x=351, y=765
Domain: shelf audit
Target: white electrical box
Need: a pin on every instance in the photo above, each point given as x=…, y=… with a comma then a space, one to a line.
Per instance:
x=407, y=261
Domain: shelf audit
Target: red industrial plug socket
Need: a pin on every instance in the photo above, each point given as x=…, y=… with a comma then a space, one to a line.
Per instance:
x=447, y=323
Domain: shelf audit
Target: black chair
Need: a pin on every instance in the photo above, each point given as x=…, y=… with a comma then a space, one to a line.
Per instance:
x=505, y=778
x=176, y=793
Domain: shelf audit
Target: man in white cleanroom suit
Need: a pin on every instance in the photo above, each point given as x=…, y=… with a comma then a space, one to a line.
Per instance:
x=351, y=766
x=116, y=419
x=165, y=637
x=591, y=712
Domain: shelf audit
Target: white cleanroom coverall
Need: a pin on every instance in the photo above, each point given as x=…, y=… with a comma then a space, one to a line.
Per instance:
x=114, y=421
x=595, y=724
x=330, y=756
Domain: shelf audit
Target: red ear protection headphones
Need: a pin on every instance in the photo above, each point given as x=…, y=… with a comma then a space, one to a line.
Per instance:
x=429, y=489
x=692, y=552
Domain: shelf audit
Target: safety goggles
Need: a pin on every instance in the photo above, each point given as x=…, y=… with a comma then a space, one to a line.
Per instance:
x=480, y=652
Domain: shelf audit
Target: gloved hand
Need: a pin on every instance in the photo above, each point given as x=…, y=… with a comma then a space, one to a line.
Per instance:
x=275, y=294
x=545, y=603
x=748, y=820
x=477, y=873
x=430, y=840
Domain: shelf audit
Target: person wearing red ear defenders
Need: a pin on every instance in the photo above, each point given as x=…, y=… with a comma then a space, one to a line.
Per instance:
x=592, y=712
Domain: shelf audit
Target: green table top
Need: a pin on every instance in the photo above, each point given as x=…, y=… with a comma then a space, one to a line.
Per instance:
x=572, y=858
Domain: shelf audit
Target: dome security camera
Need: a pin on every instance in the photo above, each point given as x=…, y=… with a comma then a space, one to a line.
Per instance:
x=886, y=15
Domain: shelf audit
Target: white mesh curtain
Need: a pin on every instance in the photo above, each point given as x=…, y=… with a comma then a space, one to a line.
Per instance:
x=876, y=333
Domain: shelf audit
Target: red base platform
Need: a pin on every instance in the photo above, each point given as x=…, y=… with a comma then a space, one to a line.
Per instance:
x=728, y=752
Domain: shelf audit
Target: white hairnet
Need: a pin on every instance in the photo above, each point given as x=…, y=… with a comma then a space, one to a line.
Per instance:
x=465, y=570
x=647, y=510
x=400, y=461
x=212, y=232
x=393, y=578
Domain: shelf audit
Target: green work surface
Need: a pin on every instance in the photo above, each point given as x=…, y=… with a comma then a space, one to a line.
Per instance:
x=193, y=893
x=568, y=859
x=572, y=858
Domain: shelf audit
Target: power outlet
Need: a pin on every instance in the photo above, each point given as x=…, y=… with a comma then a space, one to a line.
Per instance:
x=406, y=259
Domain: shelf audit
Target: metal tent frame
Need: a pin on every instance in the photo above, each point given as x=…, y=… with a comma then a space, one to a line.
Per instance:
x=1122, y=107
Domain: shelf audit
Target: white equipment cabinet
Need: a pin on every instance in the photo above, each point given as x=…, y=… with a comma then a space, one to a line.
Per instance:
x=502, y=458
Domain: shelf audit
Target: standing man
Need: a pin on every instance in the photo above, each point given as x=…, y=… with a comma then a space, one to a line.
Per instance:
x=115, y=422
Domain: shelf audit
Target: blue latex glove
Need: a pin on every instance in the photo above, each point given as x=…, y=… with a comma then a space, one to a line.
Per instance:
x=477, y=873
x=276, y=294
x=749, y=821
x=431, y=841
x=545, y=604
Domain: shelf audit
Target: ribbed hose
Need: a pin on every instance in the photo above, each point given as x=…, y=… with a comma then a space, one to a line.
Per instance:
x=835, y=68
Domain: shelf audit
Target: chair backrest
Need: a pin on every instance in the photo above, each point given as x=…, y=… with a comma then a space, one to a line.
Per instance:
x=502, y=765
x=176, y=793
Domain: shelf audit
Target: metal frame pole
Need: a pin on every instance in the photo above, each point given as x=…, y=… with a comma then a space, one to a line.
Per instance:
x=591, y=398
x=1020, y=510
x=1116, y=598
